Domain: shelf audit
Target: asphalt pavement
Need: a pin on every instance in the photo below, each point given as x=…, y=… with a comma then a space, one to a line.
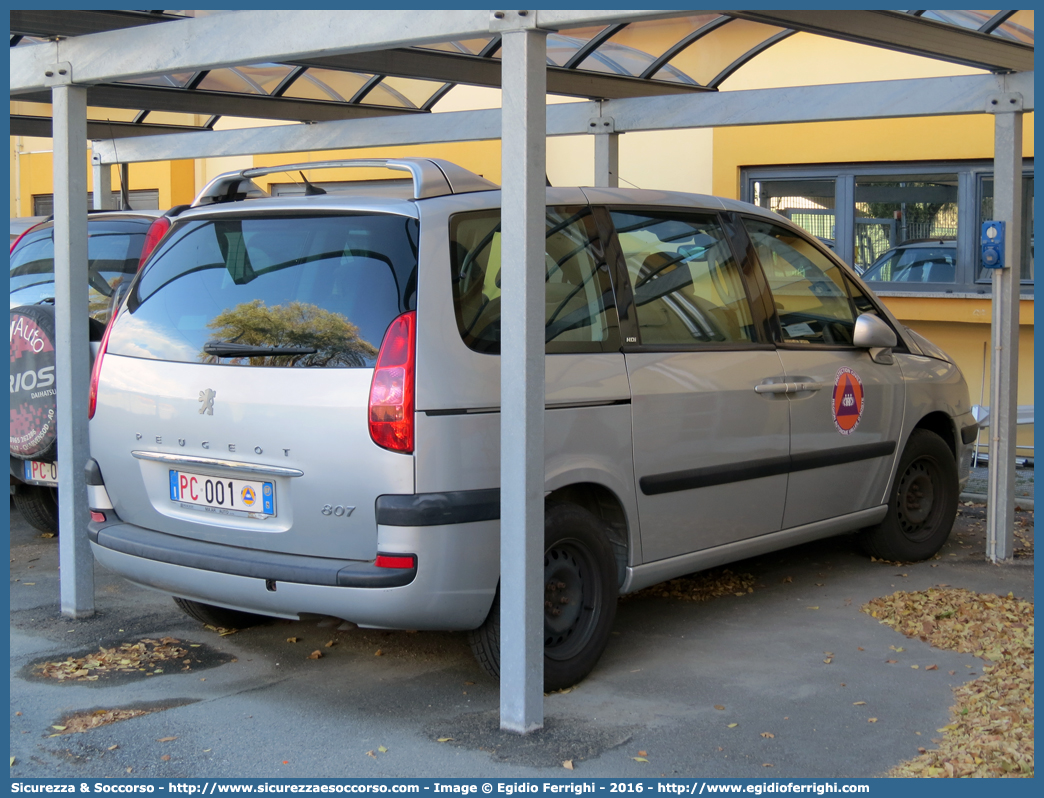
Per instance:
x=691, y=687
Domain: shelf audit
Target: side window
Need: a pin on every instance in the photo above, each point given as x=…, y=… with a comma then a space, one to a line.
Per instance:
x=687, y=287
x=579, y=307
x=808, y=288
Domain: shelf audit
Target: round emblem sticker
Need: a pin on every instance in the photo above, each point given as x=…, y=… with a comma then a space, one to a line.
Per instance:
x=248, y=496
x=847, y=400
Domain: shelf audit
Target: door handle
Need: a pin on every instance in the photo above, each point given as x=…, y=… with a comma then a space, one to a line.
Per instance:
x=787, y=387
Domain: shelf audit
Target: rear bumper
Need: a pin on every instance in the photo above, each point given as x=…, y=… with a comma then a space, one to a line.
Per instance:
x=451, y=586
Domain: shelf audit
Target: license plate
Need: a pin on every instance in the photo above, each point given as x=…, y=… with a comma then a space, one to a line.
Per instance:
x=41, y=473
x=223, y=495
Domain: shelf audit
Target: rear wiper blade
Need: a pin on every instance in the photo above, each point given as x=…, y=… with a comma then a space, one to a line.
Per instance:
x=249, y=350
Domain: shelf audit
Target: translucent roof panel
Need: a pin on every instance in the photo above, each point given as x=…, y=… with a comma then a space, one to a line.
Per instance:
x=657, y=36
x=327, y=84
x=561, y=47
x=466, y=46
x=707, y=58
x=1018, y=27
x=175, y=80
x=266, y=77
x=229, y=80
x=402, y=92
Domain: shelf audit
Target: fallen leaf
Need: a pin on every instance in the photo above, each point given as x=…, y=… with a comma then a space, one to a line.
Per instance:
x=858, y=703
x=371, y=753
x=18, y=714
x=871, y=720
x=330, y=644
x=378, y=653
x=382, y=749
x=828, y=660
x=59, y=728
x=291, y=640
x=767, y=765
x=767, y=734
x=129, y=769
x=859, y=648
x=891, y=661
x=640, y=759
x=165, y=758
x=317, y=654
x=718, y=706
x=811, y=608
x=932, y=668
x=915, y=667
x=788, y=579
x=444, y=739
x=113, y=747
x=12, y=761
x=568, y=764
x=828, y=653
x=165, y=739
x=733, y=725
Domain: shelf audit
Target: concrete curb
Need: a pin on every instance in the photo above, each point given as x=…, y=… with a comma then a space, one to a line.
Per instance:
x=1024, y=502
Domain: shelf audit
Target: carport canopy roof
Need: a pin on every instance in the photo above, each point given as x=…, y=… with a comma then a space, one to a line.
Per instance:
x=680, y=52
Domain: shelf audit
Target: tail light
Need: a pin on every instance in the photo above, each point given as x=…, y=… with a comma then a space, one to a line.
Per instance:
x=391, y=392
x=157, y=230
x=92, y=401
x=395, y=561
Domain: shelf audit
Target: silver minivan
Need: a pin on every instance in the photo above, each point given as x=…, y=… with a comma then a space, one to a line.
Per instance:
x=296, y=409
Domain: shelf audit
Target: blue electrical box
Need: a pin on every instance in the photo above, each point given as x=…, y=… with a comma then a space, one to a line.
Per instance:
x=992, y=245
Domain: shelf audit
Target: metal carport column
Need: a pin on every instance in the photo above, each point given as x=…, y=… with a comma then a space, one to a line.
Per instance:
x=1007, y=108
x=72, y=358
x=523, y=160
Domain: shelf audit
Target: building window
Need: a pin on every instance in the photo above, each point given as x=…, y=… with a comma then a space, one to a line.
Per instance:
x=807, y=203
x=905, y=227
x=895, y=212
x=146, y=199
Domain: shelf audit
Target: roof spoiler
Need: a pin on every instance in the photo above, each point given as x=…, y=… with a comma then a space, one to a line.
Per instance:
x=432, y=177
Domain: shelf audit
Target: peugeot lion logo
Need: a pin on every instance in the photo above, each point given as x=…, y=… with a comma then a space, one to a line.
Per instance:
x=207, y=398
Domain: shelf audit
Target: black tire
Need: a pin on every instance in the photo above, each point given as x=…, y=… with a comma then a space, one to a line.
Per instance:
x=922, y=503
x=34, y=434
x=580, y=593
x=211, y=615
x=38, y=505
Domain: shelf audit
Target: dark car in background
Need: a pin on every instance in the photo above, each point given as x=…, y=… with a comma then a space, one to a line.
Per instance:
x=929, y=261
x=115, y=243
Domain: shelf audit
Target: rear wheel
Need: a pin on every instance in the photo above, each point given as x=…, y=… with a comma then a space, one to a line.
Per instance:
x=580, y=593
x=223, y=617
x=38, y=505
x=922, y=503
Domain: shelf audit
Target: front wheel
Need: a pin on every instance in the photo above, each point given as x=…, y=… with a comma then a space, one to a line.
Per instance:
x=921, y=505
x=580, y=594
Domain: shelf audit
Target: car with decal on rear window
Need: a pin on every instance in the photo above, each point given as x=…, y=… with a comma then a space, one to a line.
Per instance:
x=297, y=409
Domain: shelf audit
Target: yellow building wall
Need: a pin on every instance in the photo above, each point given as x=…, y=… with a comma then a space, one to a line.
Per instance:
x=32, y=174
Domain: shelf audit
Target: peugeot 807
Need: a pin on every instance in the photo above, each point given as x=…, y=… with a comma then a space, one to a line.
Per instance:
x=296, y=408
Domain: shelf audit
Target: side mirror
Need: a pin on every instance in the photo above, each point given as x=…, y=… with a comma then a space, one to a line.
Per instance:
x=874, y=334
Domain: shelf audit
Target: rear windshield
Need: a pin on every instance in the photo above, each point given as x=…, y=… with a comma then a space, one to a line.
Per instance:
x=272, y=291
x=113, y=248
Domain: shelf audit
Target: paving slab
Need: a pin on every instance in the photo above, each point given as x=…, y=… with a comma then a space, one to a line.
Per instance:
x=256, y=705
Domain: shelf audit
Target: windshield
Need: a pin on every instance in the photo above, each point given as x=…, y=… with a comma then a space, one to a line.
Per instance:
x=113, y=248
x=272, y=291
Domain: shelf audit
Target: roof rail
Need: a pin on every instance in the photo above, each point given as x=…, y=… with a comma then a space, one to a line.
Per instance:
x=432, y=177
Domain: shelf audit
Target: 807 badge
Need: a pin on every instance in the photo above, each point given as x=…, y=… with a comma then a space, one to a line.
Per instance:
x=847, y=400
